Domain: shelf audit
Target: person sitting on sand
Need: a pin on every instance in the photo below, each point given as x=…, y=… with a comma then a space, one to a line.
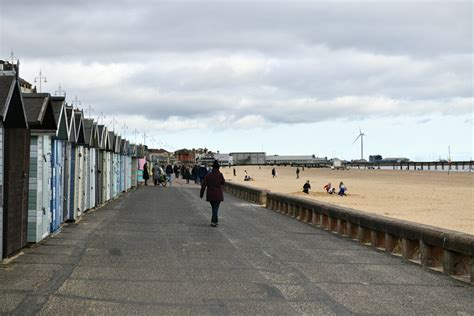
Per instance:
x=342, y=189
x=329, y=189
x=247, y=178
x=306, y=187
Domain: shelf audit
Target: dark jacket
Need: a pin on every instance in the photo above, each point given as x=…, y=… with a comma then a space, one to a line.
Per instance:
x=146, y=175
x=169, y=170
x=214, y=182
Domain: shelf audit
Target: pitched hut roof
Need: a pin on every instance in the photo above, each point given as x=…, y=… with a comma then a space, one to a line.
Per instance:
x=12, y=111
x=39, y=112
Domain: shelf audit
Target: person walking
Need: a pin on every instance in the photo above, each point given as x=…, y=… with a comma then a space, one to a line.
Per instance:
x=146, y=175
x=213, y=182
x=156, y=174
x=187, y=174
x=169, y=173
x=235, y=173
x=273, y=173
x=306, y=187
x=297, y=172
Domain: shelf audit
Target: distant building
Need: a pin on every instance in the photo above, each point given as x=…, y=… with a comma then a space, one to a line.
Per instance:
x=224, y=159
x=375, y=158
x=248, y=158
x=394, y=160
x=296, y=160
x=185, y=156
x=161, y=156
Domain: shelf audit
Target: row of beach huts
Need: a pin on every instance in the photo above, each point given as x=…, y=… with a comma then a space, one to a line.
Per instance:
x=55, y=164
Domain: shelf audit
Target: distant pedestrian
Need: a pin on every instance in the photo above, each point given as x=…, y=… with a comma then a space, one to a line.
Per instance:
x=202, y=172
x=235, y=173
x=187, y=174
x=297, y=172
x=169, y=173
x=342, y=189
x=146, y=175
x=214, y=195
x=274, y=173
x=156, y=173
x=176, y=171
x=194, y=173
x=306, y=187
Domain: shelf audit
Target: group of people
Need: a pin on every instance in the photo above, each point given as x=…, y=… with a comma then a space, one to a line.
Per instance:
x=163, y=175
x=328, y=188
x=331, y=190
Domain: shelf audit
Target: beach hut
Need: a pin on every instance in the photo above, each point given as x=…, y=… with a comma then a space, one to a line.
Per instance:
x=58, y=148
x=92, y=143
x=110, y=168
x=80, y=160
x=39, y=112
x=70, y=167
x=123, y=168
x=134, y=165
x=128, y=166
x=14, y=165
x=101, y=164
x=117, y=171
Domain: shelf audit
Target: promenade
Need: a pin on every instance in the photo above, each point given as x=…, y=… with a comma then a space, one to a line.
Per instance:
x=152, y=251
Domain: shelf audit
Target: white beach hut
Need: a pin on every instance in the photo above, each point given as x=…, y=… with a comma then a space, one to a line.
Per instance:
x=39, y=112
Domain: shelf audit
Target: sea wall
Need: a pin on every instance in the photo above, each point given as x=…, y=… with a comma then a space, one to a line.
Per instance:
x=443, y=250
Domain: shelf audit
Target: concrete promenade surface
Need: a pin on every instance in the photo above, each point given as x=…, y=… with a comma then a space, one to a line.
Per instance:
x=152, y=251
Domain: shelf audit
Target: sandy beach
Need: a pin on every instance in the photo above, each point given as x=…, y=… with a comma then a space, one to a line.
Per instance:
x=432, y=198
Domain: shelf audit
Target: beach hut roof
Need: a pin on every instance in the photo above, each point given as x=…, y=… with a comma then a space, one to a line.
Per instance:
x=59, y=112
x=79, y=120
x=88, y=131
x=102, y=132
x=69, y=110
x=111, y=141
x=12, y=111
x=117, y=141
x=95, y=135
x=39, y=112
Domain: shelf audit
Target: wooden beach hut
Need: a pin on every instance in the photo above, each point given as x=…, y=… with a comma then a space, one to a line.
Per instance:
x=134, y=165
x=14, y=165
x=92, y=143
x=39, y=112
x=101, y=159
x=110, y=169
x=58, y=161
x=128, y=166
x=70, y=167
x=116, y=157
x=80, y=159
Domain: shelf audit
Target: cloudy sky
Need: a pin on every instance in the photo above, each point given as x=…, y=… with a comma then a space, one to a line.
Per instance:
x=288, y=77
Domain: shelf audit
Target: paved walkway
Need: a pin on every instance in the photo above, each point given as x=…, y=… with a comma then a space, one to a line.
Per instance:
x=152, y=252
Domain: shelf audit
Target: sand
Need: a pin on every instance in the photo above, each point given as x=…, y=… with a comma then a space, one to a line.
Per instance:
x=432, y=198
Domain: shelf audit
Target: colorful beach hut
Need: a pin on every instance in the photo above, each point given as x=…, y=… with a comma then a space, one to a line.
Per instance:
x=91, y=141
x=39, y=112
x=14, y=165
x=58, y=148
x=80, y=157
x=70, y=167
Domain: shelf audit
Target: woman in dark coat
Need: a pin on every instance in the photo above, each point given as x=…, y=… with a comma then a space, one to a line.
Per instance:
x=146, y=175
x=213, y=182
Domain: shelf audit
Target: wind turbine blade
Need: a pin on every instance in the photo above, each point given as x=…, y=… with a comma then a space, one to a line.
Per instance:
x=356, y=139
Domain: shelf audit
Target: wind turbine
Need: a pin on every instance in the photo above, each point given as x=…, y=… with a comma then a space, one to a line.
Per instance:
x=361, y=135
